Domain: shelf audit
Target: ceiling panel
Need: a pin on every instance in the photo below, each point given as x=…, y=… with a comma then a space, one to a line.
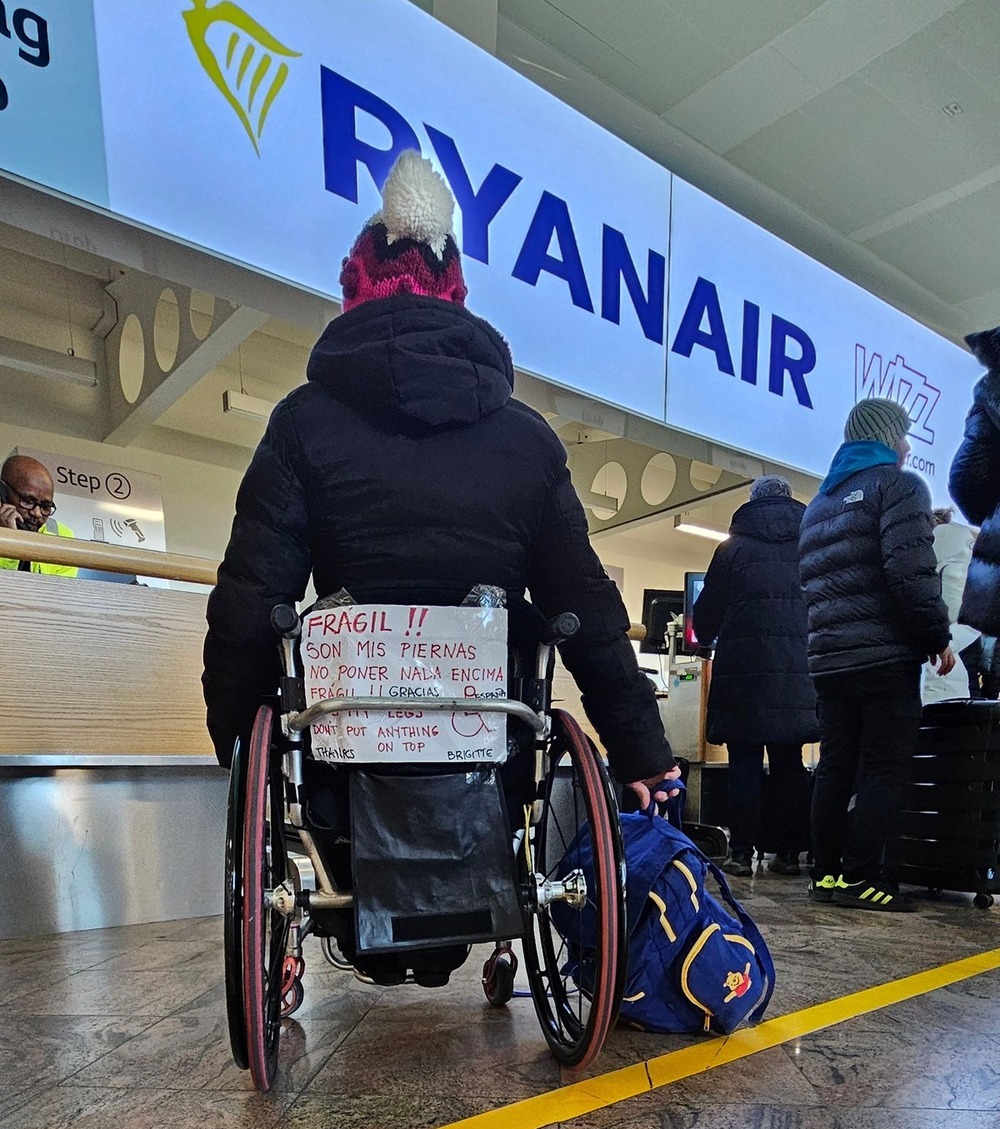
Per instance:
x=653, y=60
x=814, y=166
x=879, y=142
x=832, y=43
x=918, y=78
x=842, y=36
x=952, y=251
x=971, y=34
x=985, y=308
x=741, y=28
x=921, y=76
x=746, y=99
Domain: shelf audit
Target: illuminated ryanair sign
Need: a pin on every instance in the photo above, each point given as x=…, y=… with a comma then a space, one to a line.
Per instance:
x=262, y=131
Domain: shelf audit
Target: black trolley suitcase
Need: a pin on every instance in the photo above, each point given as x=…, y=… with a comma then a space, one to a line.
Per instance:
x=949, y=825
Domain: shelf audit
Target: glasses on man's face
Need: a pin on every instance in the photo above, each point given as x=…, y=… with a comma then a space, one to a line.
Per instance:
x=26, y=503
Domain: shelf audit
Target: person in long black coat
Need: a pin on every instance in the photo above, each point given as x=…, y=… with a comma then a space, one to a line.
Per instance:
x=761, y=695
x=404, y=471
x=974, y=483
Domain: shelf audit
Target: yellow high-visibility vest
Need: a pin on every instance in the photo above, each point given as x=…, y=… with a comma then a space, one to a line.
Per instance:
x=54, y=529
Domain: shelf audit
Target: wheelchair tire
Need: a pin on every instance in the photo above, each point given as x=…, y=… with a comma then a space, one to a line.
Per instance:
x=575, y=1023
x=233, y=908
x=265, y=931
x=499, y=972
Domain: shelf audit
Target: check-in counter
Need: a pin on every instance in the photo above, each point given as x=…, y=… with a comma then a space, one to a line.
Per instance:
x=112, y=805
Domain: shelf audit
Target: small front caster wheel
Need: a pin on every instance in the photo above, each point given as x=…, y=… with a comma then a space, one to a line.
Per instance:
x=498, y=976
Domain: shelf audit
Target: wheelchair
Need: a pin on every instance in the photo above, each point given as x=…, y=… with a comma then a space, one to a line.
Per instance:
x=280, y=886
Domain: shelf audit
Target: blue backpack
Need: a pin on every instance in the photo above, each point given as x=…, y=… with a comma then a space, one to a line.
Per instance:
x=692, y=964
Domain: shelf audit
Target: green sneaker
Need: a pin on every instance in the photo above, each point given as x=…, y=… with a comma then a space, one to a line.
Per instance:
x=821, y=889
x=870, y=895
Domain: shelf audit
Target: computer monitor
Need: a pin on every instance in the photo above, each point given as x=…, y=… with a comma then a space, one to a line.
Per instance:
x=690, y=644
x=659, y=607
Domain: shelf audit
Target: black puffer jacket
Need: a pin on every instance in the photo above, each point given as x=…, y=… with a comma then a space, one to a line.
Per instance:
x=869, y=573
x=403, y=470
x=975, y=486
x=752, y=605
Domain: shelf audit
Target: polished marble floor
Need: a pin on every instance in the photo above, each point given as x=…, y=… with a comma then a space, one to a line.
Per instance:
x=125, y=1028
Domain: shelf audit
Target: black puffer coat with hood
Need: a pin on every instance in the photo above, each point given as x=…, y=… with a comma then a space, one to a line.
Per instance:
x=866, y=558
x=402, y=470
x=752, y=605
x=975, y=485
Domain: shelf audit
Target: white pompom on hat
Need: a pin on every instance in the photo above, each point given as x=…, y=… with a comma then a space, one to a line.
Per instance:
x=416, y=203
x=408, y=246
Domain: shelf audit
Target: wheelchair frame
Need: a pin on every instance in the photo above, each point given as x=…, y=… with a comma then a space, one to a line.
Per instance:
x=270, y=892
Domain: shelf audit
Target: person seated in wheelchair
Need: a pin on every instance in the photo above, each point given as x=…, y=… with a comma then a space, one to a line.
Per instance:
x=403, y=470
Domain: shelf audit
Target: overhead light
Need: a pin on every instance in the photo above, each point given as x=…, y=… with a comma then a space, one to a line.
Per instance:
x=240, y=404
x=683, y=526
x=23, y=357
x=600, y=505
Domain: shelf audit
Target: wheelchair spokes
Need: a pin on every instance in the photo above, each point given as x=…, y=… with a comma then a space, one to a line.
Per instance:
x=576, y=972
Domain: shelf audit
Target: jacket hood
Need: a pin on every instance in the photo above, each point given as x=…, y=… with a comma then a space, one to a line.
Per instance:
x=769, y=519
x=415, y=360
x=986, y=395
x=860, y=454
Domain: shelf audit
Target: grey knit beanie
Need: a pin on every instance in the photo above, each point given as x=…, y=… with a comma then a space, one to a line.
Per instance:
x=883, y=421
x=770, y=486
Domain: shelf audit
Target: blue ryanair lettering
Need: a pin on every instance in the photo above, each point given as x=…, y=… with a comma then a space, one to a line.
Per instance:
x=704, y=302
x=617, y=266
x=780, y=362
x=704, y=305
x=343, y=150
x=478, y=208
x=342, y=101
x=551, y=219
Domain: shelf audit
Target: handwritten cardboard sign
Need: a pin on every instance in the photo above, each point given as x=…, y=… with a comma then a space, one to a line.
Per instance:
x=414, y=654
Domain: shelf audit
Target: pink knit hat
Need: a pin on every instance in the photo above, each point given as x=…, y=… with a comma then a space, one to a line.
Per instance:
x=408, y=246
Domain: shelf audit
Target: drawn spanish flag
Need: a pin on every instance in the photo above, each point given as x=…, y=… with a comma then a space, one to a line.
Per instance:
x=239, y=57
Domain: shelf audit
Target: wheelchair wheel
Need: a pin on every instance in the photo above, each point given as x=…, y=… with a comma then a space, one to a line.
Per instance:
x=498, y=975
x=265, y=931
x=576, y=1018
x=233, y=908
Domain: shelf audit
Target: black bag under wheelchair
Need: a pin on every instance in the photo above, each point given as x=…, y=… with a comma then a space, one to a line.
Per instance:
x=399, y=868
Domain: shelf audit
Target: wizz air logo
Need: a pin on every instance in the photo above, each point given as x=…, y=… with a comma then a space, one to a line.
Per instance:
x=895, y=380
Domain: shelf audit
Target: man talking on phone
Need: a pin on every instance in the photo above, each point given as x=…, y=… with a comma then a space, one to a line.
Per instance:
x=26, y=503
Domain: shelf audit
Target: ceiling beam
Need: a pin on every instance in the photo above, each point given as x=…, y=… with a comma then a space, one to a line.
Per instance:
x=139, y=389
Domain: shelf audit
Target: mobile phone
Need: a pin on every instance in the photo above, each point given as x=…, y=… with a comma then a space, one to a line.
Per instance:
x=5, y=500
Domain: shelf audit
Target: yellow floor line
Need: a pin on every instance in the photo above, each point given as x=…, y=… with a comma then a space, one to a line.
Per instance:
x=584, y=1097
